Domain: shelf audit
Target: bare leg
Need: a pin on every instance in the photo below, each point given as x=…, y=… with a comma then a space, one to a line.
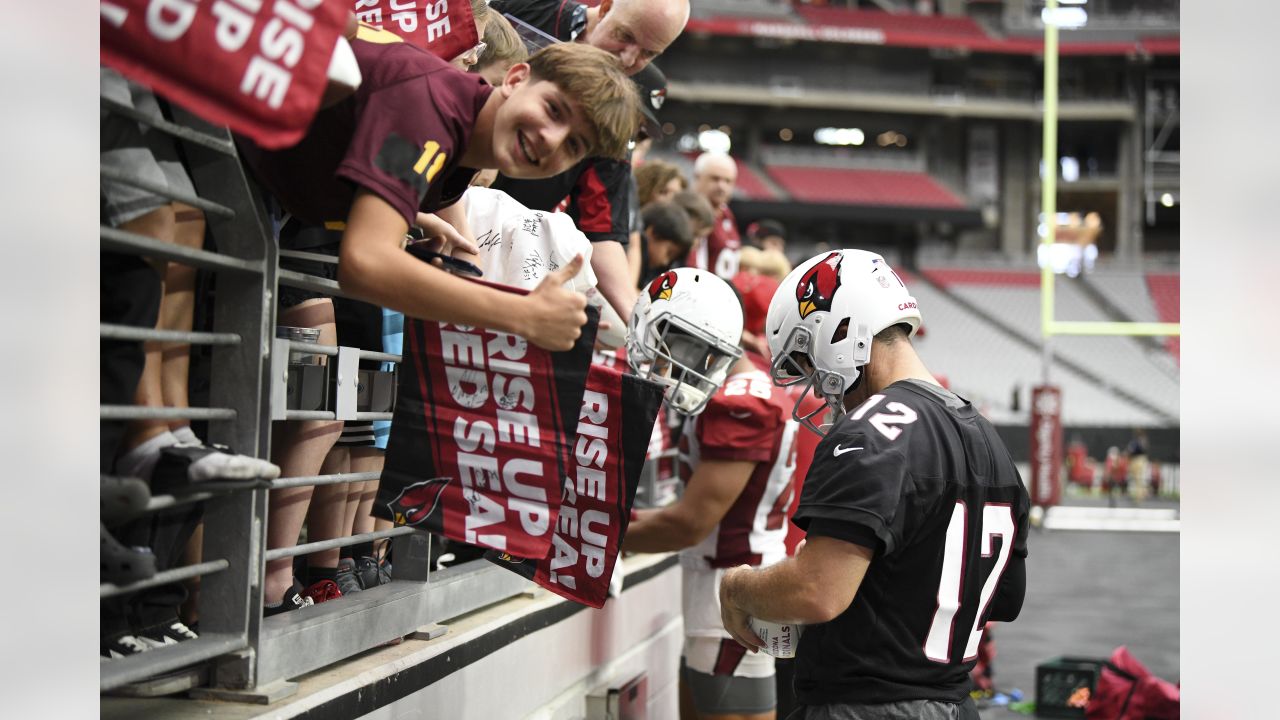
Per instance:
x=326, y=519
x=299, y=448
x=365, y=460
x=177, y=310
x=158, y=224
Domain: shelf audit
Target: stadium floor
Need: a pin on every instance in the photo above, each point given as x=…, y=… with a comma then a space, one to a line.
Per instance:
x=1087, y=593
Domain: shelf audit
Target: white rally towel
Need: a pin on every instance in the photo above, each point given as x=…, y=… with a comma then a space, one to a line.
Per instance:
x=519, y=247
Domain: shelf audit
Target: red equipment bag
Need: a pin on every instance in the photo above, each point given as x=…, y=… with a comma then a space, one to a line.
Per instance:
x=1128, y=691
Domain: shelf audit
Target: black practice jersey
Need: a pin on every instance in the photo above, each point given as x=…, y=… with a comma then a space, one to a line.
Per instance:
x=919, y=475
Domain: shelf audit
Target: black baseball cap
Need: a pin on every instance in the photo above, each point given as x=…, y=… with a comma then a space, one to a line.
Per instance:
x=766, y=228
x=651, y=84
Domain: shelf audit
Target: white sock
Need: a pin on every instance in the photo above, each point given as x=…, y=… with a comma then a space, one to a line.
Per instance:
x=141, y=461
x=185, y=436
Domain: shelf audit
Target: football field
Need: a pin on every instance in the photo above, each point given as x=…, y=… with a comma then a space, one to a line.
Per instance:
x=1089, y=591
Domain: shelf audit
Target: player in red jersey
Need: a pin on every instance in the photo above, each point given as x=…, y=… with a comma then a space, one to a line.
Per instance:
x=738, y=453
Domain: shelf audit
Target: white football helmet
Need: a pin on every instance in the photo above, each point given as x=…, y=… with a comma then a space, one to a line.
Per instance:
x=822, y=318
x=684, y=333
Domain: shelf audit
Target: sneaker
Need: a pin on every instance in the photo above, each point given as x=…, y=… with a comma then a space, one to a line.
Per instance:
x=183, y=465
x=122, y=645
x=323, y=590
x=371, y=573
x=166, y=633
x=346, y=578
x=293, y=600
x=121, y=564
x=121, y=499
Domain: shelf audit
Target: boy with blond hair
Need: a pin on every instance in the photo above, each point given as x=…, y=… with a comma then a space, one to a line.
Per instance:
x=400, y=151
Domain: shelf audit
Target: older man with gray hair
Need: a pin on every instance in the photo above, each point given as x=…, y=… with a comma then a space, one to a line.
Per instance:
x=714, y=175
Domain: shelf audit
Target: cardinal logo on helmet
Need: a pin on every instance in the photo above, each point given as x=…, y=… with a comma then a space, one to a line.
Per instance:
x=417, y=502
x=660, y=288
x=819, y=285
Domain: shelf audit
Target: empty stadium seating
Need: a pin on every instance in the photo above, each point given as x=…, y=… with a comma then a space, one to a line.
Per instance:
x=1012, y=297
x=863, y=187
x=1165, y=292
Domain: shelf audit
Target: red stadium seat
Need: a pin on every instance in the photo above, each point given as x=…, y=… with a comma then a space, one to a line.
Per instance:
x=864, y=187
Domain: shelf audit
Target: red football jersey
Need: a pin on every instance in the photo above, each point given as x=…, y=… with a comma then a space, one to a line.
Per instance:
x=748, y=419
x=719, y=253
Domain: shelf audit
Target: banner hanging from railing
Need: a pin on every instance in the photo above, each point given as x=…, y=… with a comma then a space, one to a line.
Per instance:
x=599, y=489
x=259, y=68
x=445, y=28
x=483, y=430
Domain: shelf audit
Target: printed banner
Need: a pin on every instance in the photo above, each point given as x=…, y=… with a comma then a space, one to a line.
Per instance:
x=445, y=28
x=482, y=432
x=1046, y=445
x=598, y=491
x=259, y=68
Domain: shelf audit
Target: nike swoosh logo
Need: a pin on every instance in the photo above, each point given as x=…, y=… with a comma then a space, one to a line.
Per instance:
x=840, y=451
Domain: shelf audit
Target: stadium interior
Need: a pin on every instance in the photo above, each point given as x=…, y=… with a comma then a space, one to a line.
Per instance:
x=911, y=128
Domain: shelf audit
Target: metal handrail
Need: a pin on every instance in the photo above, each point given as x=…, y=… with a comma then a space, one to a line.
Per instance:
x=125, y=241
x=109, y=331
x=320, y=545
x=164, y=191
x=178, y=131
x=164, y=578
x=137, y=412
x=313, y=480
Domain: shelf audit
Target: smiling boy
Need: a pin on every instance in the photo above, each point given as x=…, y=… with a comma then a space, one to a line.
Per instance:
x=409, y=140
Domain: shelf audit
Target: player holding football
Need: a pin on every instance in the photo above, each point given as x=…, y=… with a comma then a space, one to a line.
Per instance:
x=738, y=446
x=916, y=516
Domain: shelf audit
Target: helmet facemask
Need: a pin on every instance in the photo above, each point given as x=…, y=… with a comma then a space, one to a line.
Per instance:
x=801, y=362
x=690, y=361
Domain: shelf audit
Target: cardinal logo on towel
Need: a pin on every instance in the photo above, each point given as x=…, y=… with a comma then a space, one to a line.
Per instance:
x=416, y=502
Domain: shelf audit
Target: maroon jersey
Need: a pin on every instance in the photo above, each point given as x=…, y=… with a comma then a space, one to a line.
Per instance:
x=719, y=253
x=399, y=136
x=747, y=419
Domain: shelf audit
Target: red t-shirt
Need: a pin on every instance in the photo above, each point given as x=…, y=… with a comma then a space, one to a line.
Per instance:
x=399, y=136
x=719, y=253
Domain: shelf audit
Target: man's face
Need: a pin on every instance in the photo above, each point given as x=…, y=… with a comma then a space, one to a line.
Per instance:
x=538, y=131
x=637, y=31
x=715, y=182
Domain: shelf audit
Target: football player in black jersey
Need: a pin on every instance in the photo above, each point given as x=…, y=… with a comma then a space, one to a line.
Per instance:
x=915, y=514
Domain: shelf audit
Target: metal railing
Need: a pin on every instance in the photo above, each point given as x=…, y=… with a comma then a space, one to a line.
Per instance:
x=250, y=657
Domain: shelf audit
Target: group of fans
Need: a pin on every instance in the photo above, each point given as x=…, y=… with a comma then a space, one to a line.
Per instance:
x=774, y=375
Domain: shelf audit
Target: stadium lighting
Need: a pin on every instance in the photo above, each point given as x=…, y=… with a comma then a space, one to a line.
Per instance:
x=1166, y=199
x=715, y=141
x=1070, y=169
x=839, y=136
x=1072, y=2
x=1065, y=17
x=785, y=134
